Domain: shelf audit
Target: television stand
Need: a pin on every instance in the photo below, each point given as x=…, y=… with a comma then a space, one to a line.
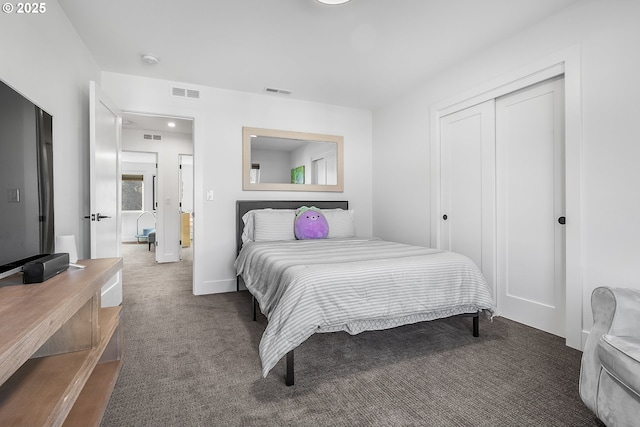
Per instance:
x=60, y=352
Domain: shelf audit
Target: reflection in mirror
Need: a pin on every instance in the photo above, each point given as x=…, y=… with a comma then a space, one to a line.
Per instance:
x=291, y=161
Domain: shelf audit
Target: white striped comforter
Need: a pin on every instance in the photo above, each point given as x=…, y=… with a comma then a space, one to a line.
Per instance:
x=309, y=286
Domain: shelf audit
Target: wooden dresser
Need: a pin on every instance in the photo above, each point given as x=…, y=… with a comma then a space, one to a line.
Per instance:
x=60, y=353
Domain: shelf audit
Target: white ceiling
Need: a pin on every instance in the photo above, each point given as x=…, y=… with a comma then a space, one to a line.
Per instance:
x=360, y=54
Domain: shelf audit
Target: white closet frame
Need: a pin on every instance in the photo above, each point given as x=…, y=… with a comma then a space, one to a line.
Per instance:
x=567, y=63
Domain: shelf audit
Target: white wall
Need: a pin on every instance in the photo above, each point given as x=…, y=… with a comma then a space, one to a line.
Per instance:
x=219, y=116
x=607, y=34
x=275, y=166
x=44, y=59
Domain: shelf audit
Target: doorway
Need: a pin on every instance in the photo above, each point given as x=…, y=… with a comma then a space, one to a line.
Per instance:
x=139, y=197
x=167, y=138
x=503, y=199
x=565, y=63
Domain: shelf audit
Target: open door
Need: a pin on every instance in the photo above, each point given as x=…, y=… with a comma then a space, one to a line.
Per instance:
x=105, y=124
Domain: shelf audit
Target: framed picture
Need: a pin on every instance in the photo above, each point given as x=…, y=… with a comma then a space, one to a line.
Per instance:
x=297, y=175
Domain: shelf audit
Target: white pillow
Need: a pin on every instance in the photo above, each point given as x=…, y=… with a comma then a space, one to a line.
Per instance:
x=247, y=230
x=273, y=224
x=341, y=223
x=248, y=220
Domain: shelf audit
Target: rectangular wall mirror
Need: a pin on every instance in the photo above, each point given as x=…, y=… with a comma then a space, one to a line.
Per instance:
x=280, y=160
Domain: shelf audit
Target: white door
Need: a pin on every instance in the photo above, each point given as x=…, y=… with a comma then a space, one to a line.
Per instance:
x=325, y=169
x=319, y=172
x=467, y=216
x=331, y=168
x=104, y=141
x=530, y=202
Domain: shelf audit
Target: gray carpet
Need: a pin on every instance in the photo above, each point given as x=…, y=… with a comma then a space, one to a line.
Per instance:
x=193, y=361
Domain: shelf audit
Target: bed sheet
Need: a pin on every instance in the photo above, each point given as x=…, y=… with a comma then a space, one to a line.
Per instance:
x=309, y=286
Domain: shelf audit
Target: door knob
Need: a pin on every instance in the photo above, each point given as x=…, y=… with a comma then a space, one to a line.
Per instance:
x=562, y=220
x=444, y=217
x=99, y=217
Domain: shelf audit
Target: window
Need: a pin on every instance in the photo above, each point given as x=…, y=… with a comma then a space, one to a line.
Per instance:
x=132, y=192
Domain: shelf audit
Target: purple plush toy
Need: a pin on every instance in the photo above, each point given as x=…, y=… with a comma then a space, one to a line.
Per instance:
x=310, y=224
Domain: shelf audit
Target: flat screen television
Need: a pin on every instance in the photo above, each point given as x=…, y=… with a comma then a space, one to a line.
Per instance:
x=26, y=178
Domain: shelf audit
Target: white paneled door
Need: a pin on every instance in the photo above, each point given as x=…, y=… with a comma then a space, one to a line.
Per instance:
x=467, y=219
x=104, y=141
x=502, y=200
x=530, y=199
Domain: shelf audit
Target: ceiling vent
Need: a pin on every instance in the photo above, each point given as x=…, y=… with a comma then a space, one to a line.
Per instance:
x=185, y=93
x=152, y=136
x=277, y=91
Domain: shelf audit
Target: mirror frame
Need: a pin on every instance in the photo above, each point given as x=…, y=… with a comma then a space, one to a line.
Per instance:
x=246, y=160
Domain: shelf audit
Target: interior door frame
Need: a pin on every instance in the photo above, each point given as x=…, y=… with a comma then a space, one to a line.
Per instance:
x=567, y=63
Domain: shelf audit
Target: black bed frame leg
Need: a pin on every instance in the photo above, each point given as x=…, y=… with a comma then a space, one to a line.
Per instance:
x=255, y=303
x=289, y=377
x=476, y=325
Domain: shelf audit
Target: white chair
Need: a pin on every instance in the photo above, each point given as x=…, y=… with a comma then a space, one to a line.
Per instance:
x=610, y=370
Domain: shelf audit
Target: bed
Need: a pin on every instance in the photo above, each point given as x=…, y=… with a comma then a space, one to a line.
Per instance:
x=344, y=282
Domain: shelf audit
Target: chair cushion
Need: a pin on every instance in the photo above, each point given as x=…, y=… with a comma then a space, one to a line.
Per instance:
x=621, y=357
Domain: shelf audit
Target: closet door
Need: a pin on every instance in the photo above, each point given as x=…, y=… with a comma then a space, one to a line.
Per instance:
x=467, y=167
x=530, y=204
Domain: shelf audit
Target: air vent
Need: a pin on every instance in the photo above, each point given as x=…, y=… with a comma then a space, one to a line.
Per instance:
x=278, y=91
x=185, y=93
x=178, y=91
x=152, y=137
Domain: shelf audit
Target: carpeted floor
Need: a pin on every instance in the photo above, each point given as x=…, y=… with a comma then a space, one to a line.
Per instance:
x=193, y=361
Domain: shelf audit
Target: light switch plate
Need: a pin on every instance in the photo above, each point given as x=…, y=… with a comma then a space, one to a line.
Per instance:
x=14, y=195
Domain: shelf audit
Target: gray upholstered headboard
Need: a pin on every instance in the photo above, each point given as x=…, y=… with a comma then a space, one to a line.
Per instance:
x=244, y=206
